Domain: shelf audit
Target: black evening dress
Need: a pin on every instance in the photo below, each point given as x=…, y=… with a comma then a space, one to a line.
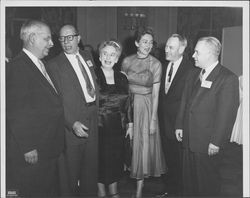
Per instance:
x=114, y=113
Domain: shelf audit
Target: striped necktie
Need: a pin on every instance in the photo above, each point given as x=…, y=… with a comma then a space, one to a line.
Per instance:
x=89, y=86
x=168, y=79
x=45, y=74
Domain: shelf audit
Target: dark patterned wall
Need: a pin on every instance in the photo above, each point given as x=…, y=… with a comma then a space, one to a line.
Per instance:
x=193, y=22
x=55, y=17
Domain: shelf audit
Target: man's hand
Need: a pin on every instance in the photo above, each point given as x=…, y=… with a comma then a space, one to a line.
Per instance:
x=129, y=133
x=179, y=134
x=212, y=149
x=31, y=157
x=80, y=129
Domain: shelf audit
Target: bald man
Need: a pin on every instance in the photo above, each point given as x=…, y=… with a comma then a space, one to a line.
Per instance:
x=35, y=120
x=205, y=120
x=78, y=163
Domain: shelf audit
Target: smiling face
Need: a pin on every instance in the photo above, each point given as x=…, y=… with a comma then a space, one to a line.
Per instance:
x=41, y=42
x=145, y=45
x=173, y=49
x=69, y=46
x=108, y=56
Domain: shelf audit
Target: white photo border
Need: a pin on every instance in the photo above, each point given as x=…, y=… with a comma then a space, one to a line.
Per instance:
x=68, y=3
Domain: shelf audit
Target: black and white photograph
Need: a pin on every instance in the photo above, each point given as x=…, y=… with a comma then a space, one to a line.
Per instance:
x=124, y=99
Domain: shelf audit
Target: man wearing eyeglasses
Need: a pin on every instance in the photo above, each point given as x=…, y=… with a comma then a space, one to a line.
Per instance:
x=73, y=72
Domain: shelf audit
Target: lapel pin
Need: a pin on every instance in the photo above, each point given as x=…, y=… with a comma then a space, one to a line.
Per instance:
x=90, y=64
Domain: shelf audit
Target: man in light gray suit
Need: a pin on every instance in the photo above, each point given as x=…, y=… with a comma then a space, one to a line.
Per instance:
x=73, y=72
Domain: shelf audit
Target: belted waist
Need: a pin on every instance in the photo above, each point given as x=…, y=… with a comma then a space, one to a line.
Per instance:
x=141, y=90
x=91, y=103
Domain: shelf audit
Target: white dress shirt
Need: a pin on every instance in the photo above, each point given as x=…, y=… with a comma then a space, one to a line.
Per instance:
x=74, y=63
x=176, y=65
x=208, y=70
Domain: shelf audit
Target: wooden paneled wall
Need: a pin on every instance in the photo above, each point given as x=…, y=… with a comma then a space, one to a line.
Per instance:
x=96, y=24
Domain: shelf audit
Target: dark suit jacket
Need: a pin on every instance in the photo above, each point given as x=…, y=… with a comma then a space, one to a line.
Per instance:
x=169, y=103
x=34, y=112
x=207, y=115
x=68, y=85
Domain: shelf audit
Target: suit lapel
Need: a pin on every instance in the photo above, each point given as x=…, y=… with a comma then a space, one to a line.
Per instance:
x=69, y=70
x=211, y=77
x=37, y=74
x=214, y=74
x=163, y=79
x=178, y=75
x=90, y=64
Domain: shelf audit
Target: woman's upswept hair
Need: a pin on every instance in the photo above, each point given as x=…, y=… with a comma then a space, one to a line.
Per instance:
x=114, y=43
x=142, y=31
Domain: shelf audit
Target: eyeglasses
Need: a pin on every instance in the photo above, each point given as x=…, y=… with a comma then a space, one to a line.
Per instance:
x=69, y=37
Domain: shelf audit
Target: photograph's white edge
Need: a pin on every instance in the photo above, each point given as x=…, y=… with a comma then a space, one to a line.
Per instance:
x=245, y=24
x=246, y=152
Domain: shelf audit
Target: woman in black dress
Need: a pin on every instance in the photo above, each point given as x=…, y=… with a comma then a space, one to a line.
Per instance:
x=114, y=115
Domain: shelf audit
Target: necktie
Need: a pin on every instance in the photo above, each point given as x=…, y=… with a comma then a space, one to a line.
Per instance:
x=45, y=74
x=90, y=88
x=168, y=80
x=170, y=72
x=202, y=74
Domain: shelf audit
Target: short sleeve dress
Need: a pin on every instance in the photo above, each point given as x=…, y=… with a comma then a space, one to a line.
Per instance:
x=147, y=158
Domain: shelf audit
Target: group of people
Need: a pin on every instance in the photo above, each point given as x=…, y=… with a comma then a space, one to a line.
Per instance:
x=67, y=119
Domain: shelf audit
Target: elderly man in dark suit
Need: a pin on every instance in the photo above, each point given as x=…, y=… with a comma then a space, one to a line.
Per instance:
x=34, y=118
x=73, y=71
x=205, y=119
x=173, y=78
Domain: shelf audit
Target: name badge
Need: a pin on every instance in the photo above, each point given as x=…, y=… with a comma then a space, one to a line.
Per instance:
x=90, y=64
x=206, y=84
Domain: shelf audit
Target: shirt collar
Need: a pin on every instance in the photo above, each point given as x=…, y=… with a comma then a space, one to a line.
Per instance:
x=72, y=55
x=34, y=59
x=211, y=67
x=178, y=62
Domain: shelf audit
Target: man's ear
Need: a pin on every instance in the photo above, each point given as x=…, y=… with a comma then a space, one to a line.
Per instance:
x=78, y=38
x=181, y=49
x=32, y=38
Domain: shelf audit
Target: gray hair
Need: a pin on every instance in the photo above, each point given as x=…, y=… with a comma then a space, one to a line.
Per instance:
x=29, y=27
x=182, y=39
x=213, y=43
x=114, y=43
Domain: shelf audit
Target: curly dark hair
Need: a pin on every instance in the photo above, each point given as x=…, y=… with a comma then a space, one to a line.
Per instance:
x=142, y=31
